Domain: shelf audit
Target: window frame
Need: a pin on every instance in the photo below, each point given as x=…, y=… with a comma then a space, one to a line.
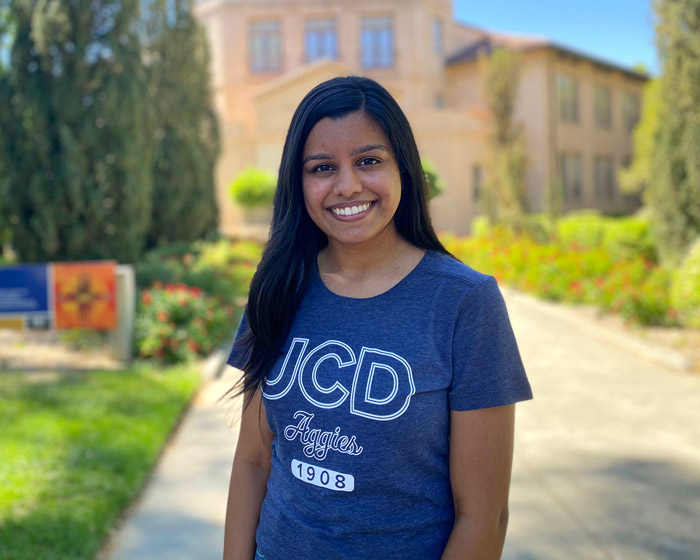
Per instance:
x=330, y=31
x=568, y=108
x=271, y=46
x=372, y=31
x=602, y=107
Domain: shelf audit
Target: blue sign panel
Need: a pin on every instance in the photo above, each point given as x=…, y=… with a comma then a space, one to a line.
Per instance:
x=24, y=289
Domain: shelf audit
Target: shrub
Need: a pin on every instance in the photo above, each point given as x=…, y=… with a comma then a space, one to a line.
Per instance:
x=253, y=187
x=177, y=323
x=435, y=184
x=624, y=238
x=685, y=290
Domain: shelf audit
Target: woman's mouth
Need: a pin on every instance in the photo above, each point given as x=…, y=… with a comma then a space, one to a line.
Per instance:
x=355, y=211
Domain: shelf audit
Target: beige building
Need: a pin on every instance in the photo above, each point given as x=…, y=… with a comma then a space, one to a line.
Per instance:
x=577, y=112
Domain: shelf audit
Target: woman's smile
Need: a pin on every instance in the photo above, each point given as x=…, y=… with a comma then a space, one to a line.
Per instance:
x=351, y=212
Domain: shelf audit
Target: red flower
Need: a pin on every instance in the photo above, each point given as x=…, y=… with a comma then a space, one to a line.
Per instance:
x=162, y=316
x=146, y=297
x=157, y=284
x=195, y=291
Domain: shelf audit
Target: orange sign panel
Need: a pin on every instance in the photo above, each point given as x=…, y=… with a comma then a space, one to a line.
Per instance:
x=85, y=295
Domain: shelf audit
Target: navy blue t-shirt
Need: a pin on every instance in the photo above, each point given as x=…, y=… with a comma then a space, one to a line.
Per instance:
x=360, y=402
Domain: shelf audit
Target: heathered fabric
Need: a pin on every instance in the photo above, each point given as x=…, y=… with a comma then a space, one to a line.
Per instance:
x=359, y=403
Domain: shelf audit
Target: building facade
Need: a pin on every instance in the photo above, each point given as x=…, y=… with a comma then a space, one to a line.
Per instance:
x=577, y=112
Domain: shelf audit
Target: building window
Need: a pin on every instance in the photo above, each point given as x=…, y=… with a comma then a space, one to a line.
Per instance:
x=601, y=107
x=377, y=42
x=571, y=173
x=437, y=36
x=604, y=176
x=630, y=111
x=321, y=40
x=477, y=178
x=266, y=46
x=567, y=94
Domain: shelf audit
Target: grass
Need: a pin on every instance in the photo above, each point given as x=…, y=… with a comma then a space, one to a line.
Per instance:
x=75, y=448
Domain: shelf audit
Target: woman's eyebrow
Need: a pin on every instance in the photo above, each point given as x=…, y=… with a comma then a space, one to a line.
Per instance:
x=368, y=148
x=356, y=151
x=316, y=156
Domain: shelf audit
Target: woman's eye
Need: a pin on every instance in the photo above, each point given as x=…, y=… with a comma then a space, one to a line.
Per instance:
x=369, y=161
x=321, y=168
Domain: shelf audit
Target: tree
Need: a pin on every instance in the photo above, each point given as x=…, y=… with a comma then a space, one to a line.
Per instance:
x=186, y=132
x=636, y=177
x=673, y=193
x=504, y=196
x=77, y=131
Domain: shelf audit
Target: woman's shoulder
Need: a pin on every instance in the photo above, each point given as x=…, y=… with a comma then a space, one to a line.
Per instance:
x=452, y=271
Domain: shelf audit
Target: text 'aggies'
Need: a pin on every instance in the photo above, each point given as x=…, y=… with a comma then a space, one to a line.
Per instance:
x=302, y=366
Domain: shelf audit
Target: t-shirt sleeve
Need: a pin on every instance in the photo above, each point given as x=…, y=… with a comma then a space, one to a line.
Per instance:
x=487, y=369
x=239, y=351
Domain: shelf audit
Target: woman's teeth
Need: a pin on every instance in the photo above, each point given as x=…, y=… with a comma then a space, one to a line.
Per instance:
x=351, y=210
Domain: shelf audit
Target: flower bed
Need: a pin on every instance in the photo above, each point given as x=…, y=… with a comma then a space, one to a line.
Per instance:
x=633, y=285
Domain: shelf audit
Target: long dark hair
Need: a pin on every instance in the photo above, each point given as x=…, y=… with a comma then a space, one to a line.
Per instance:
x=284, y=272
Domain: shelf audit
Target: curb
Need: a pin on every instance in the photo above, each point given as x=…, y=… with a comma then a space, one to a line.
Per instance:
x=666, y=357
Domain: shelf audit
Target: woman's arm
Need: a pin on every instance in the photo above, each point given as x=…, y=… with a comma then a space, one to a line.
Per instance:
x=251, y=469
x=481, y=457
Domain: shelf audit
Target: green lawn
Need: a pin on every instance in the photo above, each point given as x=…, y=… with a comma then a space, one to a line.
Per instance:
x=75, y=449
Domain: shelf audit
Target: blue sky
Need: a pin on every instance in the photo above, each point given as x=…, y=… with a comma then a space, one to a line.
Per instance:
x=620, y=31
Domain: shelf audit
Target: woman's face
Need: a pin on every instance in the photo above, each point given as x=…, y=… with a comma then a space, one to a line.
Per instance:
x=351, y=180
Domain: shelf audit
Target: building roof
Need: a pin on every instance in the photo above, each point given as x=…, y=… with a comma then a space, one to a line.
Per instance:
x=487, y=41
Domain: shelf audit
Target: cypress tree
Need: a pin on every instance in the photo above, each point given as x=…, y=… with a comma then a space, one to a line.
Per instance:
x=77, y=131
x=186, y=132
x=673, y=193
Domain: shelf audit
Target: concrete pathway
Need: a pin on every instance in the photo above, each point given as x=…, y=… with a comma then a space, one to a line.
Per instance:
x=607, y=460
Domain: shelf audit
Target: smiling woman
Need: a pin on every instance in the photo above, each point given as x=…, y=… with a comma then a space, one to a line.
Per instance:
x=381, y=371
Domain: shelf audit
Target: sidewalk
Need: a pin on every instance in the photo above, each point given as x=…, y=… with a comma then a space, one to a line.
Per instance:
x=606, y=466
x=180, y=515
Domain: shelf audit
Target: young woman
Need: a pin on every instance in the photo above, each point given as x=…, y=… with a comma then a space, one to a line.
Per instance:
x=380, y=373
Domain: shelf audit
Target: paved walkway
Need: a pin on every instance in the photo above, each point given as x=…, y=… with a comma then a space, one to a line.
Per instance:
x=607, y=462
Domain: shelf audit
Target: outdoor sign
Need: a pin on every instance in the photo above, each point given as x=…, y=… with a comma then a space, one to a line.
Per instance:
x=24, y=296
x=85, y=295
x=58, y=295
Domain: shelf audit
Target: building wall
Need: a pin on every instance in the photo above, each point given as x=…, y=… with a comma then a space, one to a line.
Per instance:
x=587, y=139
x=444, y=104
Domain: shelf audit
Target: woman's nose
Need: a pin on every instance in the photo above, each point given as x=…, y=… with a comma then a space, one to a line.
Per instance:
x=347, y=183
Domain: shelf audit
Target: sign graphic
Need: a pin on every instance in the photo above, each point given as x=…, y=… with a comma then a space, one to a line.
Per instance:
x=85, y=295
x=24, y=296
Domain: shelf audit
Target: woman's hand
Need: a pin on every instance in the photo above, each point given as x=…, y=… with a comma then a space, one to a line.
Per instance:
x=481, y=457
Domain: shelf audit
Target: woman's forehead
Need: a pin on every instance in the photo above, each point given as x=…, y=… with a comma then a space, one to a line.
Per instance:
x=345, y=134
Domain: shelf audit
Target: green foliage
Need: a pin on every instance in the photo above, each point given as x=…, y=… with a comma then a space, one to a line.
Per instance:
x=635, y=178
x=673, y=193
x=504, y=196
x=432, y=178
x=569, y=270
x=186, y=131
x=685, y=291
x=108, y=134
x=177, y=323
x=76, y=449
x=623, y=238
x=188, y=296
x=253, y=187
x=76, y=132
x=221, y=268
